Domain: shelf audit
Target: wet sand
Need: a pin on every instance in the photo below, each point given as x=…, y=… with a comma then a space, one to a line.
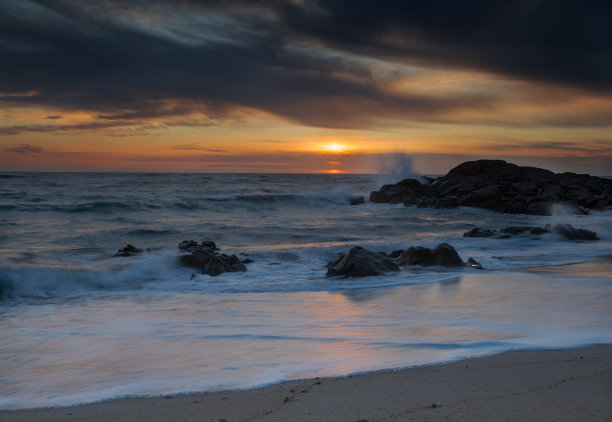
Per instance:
x=559, y=385
x=544, y=385
x=598, y=267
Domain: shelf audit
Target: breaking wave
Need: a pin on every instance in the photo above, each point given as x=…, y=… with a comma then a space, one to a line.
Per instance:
x=340, y=196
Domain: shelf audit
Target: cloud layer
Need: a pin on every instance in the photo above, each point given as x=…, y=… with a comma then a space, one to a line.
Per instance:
x=318, y=63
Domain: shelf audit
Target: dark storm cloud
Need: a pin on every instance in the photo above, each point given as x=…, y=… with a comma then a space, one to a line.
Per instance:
x=25, y=149
x=559, y=41
x=594, y=148
x=305, y=61
x=36, y=128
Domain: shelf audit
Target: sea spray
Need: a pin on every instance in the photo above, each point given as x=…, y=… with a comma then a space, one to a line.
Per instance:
x=395, y=167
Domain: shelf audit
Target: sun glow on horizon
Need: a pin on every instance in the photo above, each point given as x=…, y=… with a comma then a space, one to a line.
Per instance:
x=335, y=147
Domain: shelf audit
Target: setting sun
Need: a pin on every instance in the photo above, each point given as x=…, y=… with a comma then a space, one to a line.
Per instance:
x=335, y=147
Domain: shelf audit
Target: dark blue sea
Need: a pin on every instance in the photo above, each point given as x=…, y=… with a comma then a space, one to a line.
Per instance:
x=80, y=325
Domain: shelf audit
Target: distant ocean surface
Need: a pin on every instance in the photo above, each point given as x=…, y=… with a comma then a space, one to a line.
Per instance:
x=79, y=325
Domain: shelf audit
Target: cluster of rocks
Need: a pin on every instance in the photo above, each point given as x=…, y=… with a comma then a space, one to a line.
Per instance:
x=204, y=256
x=500, y=186
x=361, y=262
x=566, y=230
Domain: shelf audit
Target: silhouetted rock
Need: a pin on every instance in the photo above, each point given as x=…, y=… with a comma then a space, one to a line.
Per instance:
x=129, y=250
x=566, y=230
x=571, y=233
x=192, y=245
x=403, y=191
x=500, y=186
x=205, y=257
x=447, y=256
x=360, y=262
x=478, y=232
x=356, y=200
x=417, y=255
x=443, y=255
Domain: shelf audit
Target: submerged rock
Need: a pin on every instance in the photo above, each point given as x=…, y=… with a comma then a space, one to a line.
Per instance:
x=129, y=250
x=500, y=186
x=204, y=256
x=360, y=262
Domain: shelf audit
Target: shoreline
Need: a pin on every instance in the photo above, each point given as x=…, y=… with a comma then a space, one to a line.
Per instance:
x=568, y=384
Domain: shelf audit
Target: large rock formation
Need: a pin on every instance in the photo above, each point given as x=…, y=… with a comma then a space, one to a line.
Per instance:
x=500, y=186
x=204, y=256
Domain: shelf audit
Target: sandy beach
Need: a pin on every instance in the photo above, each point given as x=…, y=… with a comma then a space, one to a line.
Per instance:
x=554, y=385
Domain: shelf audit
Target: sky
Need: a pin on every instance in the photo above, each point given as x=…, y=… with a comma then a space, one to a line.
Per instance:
x=304, y=86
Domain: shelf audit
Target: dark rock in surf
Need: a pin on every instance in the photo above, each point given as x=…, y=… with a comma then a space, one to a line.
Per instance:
x=129, y=250
x=471, y=262
x=417, y=255
x=566, y=230
x=571, y=233
x=204, y=256
x=443, y=255
x=192, y=245
x=360, y=262
x=356, y=200
x=478, y=232
x=447, y=256
x=500, y=186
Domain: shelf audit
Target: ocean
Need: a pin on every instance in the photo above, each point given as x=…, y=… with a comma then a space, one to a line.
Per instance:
x=79, y=325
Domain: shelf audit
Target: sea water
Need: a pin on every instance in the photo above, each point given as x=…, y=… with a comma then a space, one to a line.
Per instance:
x=80, y=325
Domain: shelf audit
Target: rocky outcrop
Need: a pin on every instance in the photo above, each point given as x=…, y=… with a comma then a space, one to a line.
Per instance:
x=566, y=230
x=204, y=256
x=405, y=191
x=360, y=262
x=129, y=250
x=500, y=186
